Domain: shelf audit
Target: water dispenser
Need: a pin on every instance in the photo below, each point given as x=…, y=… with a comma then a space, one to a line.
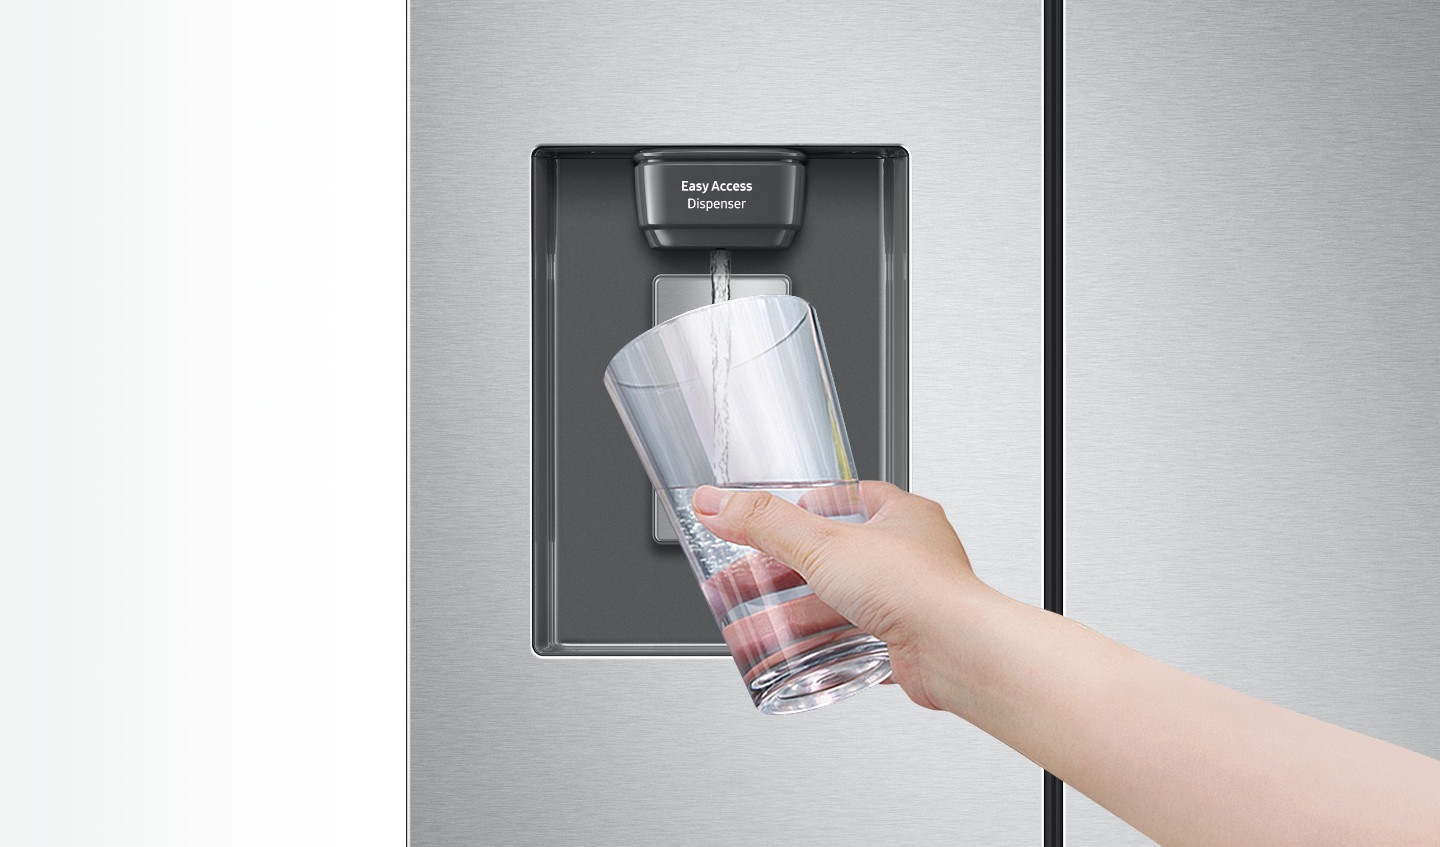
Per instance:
x=627, y=237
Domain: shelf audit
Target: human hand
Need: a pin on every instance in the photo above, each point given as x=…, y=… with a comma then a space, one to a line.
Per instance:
x=1119, y=727
x=892, y=576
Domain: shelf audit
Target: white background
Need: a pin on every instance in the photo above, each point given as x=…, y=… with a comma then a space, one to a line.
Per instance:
x=202, y=442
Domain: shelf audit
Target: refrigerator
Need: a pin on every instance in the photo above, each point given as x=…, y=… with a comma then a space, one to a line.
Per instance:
x=511, y=744
x=1249, y=311
x=1234, y=399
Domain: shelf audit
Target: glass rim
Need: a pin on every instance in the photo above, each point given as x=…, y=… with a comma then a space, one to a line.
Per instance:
x=780, y=338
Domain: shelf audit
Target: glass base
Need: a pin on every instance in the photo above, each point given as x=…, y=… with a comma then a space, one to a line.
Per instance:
x=829, y=675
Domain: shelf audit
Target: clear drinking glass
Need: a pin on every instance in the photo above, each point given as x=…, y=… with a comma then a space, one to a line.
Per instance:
x=739, y=395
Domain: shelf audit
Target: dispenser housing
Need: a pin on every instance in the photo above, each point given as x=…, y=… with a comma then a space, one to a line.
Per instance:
x=616, y=248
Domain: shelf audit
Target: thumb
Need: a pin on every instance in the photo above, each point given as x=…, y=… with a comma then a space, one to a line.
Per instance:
x=769, y=524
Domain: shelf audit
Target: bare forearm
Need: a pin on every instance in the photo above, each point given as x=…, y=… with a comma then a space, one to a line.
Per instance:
x=1182, y=759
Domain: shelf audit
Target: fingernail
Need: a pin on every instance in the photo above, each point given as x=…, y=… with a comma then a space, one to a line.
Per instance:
x=710, y=500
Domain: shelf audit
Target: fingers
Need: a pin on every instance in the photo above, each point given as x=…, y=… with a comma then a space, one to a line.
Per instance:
x=848, y=499
x=779, y=633
x=841, y=500
x=876, y=495
x=767, y=523
x=754, y=576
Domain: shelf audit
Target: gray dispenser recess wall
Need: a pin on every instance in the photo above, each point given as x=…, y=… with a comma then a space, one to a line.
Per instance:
x=618, y=246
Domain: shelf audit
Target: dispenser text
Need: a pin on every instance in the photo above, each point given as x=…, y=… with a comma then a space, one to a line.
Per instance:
x=701, y=187
x=707, y=205
x=717, y=186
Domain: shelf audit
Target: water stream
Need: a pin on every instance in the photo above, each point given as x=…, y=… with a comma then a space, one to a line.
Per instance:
x=720, y=373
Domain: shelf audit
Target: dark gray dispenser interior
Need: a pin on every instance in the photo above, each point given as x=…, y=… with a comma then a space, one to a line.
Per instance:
x=602, y=584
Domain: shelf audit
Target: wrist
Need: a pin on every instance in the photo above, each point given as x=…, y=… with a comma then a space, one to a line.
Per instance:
x=961, y=653
x=928, y=650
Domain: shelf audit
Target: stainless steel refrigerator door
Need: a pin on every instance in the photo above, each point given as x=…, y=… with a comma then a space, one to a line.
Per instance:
x=509, y=748
x=1251, y=347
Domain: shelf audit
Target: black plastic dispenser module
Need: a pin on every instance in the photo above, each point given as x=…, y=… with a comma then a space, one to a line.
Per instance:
x=747, y=198
x=609, y=577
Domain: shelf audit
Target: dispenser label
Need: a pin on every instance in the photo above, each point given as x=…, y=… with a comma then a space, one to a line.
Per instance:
x=733, y=204
x=718, y=188
x=721, y=193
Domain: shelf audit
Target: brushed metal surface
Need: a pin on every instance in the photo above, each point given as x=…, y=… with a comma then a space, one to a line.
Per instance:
x=511, y=749
x=676, y=294
x=1251, y=450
